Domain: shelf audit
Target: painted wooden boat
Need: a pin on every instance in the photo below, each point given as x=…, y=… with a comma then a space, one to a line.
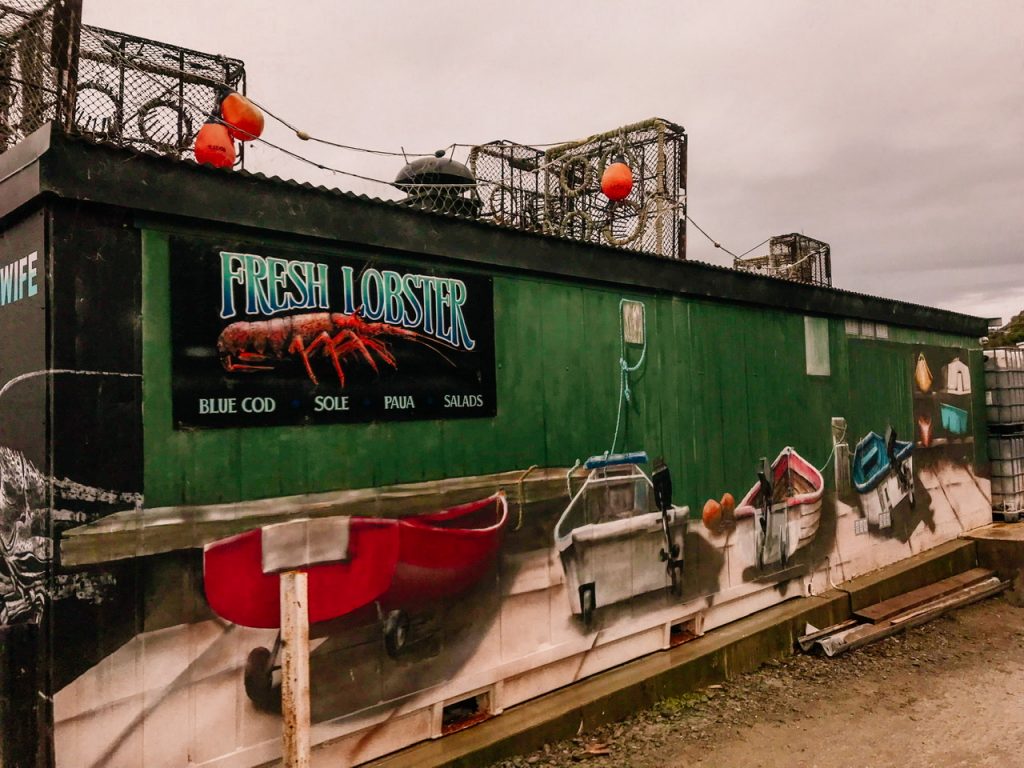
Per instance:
x=613, y=542
x=788, y=520
x=883, y=475
x=398, y=564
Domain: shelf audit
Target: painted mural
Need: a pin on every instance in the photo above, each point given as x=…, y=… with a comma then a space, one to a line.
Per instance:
x=35, y=509
x=427, y=622
x=424, y=623
x=27, y=543
x=25, y=546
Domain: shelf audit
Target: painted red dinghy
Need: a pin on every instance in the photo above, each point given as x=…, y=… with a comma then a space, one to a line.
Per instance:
x=445, y=553
x=396, y=563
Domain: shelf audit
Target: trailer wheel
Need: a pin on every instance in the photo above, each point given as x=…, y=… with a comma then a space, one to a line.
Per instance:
x=258, y=678
x=396, y=632
x=588, y=602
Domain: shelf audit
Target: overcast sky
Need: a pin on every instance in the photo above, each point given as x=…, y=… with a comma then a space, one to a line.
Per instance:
x=892, y=130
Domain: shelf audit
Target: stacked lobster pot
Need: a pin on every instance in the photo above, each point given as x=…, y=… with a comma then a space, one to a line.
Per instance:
x=1004, y=400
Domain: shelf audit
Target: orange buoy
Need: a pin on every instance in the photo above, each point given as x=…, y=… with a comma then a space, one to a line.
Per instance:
x=244, y=119
x=617, y=181
x=214, y=146
x=712, y=515
x=728, y=507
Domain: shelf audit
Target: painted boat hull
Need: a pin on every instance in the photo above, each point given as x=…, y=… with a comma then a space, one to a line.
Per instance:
x=885, y=496
x=622, y=559
x=444, y=554
x=396, y=563
x=793, y=521
x=878, y=487
x=611, y=554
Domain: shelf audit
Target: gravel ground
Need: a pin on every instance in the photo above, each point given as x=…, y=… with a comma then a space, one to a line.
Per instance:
x=944, y=695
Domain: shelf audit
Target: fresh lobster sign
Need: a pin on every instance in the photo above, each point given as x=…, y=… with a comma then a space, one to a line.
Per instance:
x=266, y=338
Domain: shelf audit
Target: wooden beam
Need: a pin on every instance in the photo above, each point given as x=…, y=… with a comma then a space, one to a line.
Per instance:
x=149, y=531
x=909, y=600
x=863, y=634
x=295, y=669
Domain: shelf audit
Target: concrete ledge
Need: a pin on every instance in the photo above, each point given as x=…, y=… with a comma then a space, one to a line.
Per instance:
x=1001, y=548
x=719, y=655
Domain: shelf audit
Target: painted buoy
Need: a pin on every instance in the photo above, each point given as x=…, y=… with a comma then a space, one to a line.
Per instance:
x=728, y=507
x=244, y=119
x=214, y=146
x=617, y=181
x=712, y=514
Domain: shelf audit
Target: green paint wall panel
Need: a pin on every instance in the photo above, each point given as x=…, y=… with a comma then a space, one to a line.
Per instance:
x=721, y=386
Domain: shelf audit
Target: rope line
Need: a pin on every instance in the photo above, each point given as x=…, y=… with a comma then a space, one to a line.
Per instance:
x=713, y=241
x=766, y=240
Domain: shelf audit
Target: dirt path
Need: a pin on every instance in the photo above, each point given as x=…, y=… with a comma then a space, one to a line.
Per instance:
x=948, y=694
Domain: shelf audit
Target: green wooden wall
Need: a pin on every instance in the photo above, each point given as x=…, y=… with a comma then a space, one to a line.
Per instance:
x=721, y=386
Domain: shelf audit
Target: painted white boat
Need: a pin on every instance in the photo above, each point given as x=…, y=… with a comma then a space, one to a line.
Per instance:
x=613, y=542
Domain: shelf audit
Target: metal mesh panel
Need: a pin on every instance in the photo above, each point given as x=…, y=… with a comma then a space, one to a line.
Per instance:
x=127, y=90
x=28, y=85
x=148, y=95
x=792, y=257
x=558, y=191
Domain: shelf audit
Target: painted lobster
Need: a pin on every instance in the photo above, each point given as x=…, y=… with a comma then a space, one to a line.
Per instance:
x=248, y=345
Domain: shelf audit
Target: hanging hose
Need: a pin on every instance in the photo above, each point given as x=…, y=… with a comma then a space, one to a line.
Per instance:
x=625, y=395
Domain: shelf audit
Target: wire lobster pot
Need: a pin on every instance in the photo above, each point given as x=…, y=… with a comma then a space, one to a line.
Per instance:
x=118, y=89
x=28, y=79
x=558, y=191
x=792, y=257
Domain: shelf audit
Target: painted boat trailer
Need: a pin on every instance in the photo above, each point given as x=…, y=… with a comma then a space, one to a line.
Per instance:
x=394, y=565
x=620, y=536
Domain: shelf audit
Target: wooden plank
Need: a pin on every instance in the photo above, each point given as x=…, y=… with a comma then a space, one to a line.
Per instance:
x=910, y=600
x=132, y=533
x=869, y=633
x=294, y=669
